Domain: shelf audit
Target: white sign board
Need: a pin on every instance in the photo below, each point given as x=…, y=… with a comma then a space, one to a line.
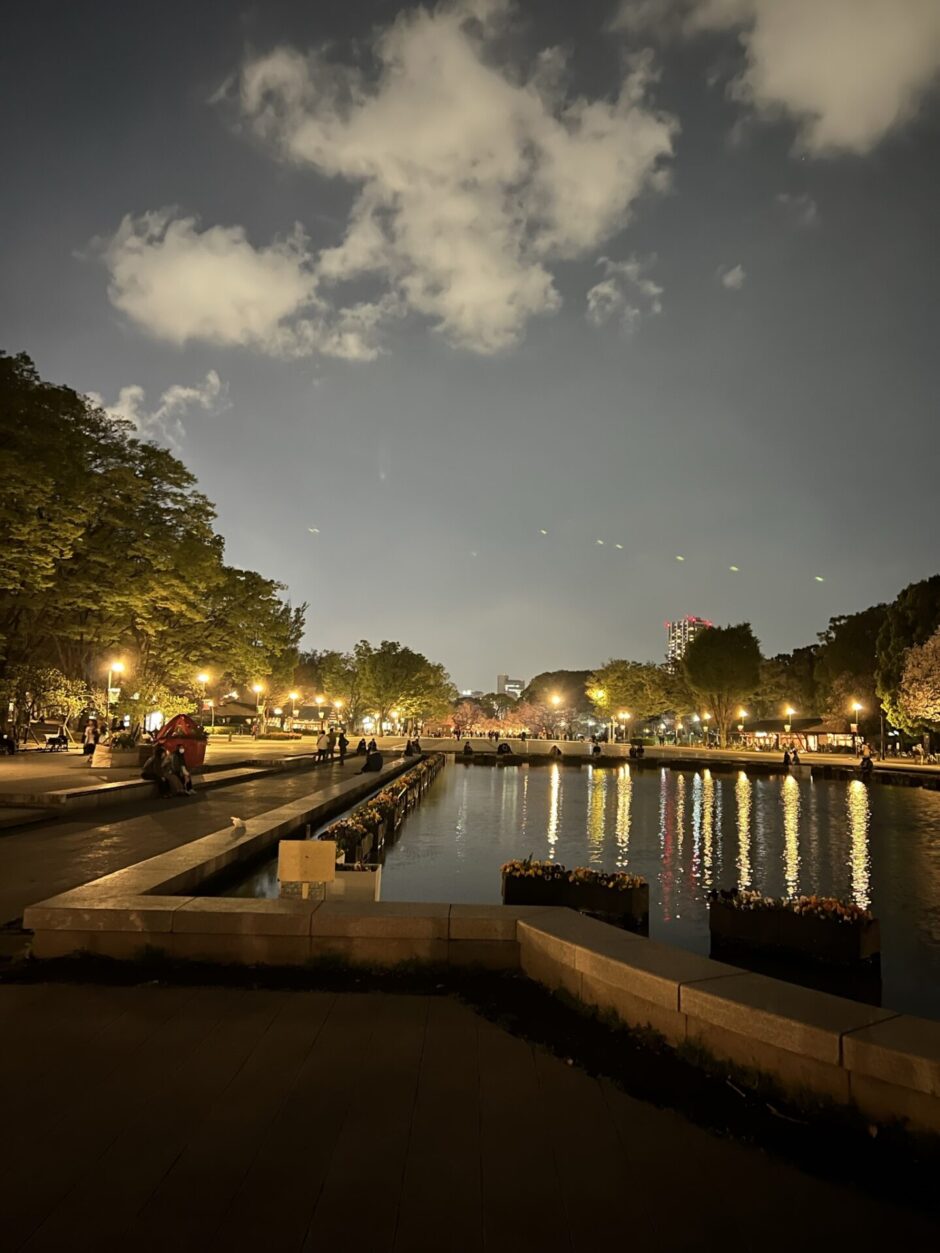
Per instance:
x=306, y=861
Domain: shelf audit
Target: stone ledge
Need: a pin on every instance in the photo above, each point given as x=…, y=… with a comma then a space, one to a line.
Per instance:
x=490, y=922
x=400, y=920
x=903, y=1050
x=779, y=1014
x=148, y=914
x=216, y=915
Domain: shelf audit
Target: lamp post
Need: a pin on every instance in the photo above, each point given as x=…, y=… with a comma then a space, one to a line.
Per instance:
x=556, y=701
x=856, y=710
x=705, y=718
x=114, y=667
x=338, y=705
x=211, y=704
x=393, y=714
x=319, y=704
x=292, y=697
x=258, y=689
x=742, y=714
x=623, y=718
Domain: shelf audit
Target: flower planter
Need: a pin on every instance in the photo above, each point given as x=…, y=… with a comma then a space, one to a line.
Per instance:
x=796, y=935
x=355, y=885
x=107, y=758
x=627, y=904
x=534, y=890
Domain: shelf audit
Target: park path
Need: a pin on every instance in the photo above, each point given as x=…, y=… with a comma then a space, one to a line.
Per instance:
x=170, y=1118
x=40, y=861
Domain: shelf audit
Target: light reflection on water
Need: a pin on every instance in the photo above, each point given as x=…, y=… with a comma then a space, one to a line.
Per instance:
x=687, y=832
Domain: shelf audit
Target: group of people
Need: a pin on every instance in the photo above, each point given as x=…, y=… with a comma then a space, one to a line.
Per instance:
x=169, y=771
x=329, y=741
x=791, y=757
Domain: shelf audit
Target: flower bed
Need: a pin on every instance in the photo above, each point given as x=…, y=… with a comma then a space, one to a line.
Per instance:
x=375, y=822
x=618, y=895
x=821, y=928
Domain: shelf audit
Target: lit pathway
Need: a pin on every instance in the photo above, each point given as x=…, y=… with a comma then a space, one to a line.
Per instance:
x=177, y=1119
x=42, y=860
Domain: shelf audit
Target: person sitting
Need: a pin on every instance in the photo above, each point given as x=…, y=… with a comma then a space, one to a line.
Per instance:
x=866, y=765
x=409, y=749
x=595, y=749
x=468, y=749
x=180, y=770
x=361, y=748
x=504, y=749
x=794, y=757
x=786, y=759
x=417, y=745
x=632, y=751
x=554, y=751
x=374, y=763
x=159, y=769
x=372, y=746
x=640, y=750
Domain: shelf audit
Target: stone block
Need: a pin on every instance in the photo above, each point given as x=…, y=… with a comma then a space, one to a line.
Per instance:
x=631, y=1009
x=904, y=1051
x=489, y=922
x=782, y=1014
x=221, y=915
x=136, y=913
x=559, y=933
x=378, y=950
x=404, y=920
x=890, y=1103
x=491, y=954
x=553, y=972
x=651, y=971
x=794, y=1072
x=121, y=945
x=241, y=949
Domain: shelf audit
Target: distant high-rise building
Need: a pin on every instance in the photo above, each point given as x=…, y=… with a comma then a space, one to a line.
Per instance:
x=509, y=687
x=471, y=693
x=679, y=635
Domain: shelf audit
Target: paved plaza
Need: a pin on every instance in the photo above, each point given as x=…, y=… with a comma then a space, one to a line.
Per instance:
x=154, y=1118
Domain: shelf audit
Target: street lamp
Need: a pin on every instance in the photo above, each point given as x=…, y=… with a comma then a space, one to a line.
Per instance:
x=705, y=718
x=258, y=688
x=319, y=703
x=114, y=667
x=292, y=697
x=338, y=705
x=789, y=713
x=393, y=714
x=742, y=714
x=856, y=709
x=623, y=717
x=211, y=704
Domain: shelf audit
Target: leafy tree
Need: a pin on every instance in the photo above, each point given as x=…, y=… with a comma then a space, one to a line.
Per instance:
x=919, y=692
x=395, y=677
x=642, y=689
x=846, y=662
x=722, y=666
x=787, y=680
x=910, y=620
x=569, y=685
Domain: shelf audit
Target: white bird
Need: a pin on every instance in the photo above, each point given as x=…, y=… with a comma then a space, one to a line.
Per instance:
x=238, y=824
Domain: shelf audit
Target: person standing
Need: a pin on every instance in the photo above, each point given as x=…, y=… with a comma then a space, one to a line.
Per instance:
x=331, y=743
x=343, y=745
x=90, y=738
x=322, y=746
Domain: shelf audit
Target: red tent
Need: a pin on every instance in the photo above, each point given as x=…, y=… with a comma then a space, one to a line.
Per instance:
x=184, y=732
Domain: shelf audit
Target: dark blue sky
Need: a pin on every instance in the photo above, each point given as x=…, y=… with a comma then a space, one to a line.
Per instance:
x=753, y=381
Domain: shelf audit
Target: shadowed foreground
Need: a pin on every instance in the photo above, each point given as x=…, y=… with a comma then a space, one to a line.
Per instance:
x=192, y=1118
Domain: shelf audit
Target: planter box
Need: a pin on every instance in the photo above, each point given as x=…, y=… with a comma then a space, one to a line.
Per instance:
x=525, y=890
x=107, y=758
x=356, y=885
x=630, y=904
x=797, y=935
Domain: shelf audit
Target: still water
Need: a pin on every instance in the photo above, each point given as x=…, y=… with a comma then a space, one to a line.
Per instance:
x=687, y=832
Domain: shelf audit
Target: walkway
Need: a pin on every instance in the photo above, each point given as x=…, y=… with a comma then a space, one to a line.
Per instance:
x=42, y=860
x=153, y=1118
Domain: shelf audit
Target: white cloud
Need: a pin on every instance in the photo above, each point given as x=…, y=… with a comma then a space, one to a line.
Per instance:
x=165, y=422
x=732, y=276
x=802, y=208
x=848, y=71
x=624, y=292
x=472, y=175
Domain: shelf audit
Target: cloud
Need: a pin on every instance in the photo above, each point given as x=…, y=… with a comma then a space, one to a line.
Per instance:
x=164, y=424
x=624, y=292
x=732, y=276
x=472, y=175
x=848, y=72
x=802, y=208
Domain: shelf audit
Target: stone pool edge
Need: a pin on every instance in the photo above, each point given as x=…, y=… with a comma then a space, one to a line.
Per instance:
x=885, y=1063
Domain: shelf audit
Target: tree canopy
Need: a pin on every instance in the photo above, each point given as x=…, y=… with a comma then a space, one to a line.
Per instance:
x=722, y=666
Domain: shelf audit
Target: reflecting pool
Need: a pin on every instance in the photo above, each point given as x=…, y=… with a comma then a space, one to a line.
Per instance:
x=687, y=832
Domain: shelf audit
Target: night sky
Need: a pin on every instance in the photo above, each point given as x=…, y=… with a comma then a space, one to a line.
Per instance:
x=433, y=300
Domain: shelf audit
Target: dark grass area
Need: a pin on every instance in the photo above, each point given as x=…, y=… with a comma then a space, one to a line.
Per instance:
x=827, y=1140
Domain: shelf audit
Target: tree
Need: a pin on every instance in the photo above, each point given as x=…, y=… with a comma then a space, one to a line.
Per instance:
x=395, y=677
x=846, y=661
x=910, y=620
x=641, y=689
x=919, y=691
x=787, y=680
x=569, y=685
x=722, y=667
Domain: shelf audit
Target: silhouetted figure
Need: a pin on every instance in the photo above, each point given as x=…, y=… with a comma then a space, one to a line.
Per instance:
x=468, y=749
x=595, y=749
x=372, y=747
x=374, y=763
x=504, y=749
x=361, y=748
x=786, y=759
x=794, y=758
x=554, y=751
x=343, y=745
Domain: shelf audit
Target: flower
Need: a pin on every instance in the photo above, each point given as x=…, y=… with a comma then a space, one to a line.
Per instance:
x=830, y=908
